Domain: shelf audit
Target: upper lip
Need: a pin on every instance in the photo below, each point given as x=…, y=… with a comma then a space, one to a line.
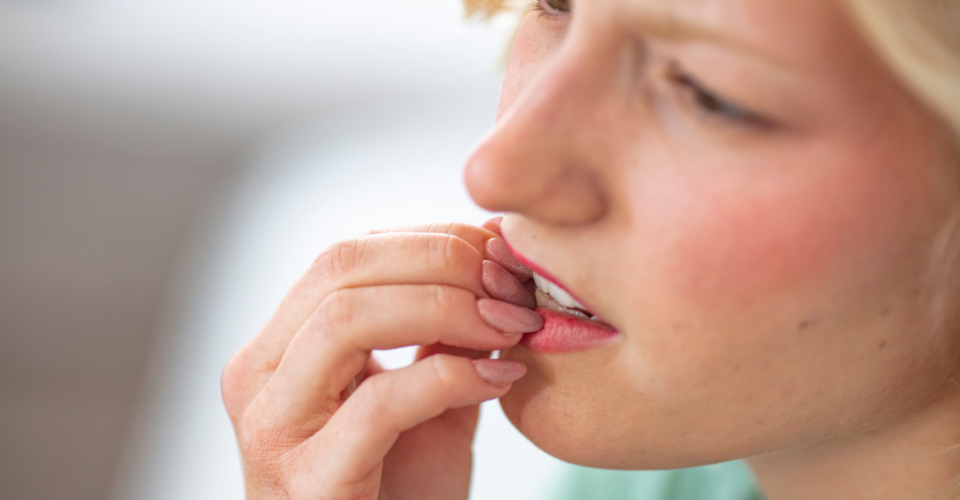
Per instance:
x=546, y=274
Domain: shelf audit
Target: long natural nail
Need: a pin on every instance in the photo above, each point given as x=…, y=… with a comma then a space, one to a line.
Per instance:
x=502, y=285
x=497, y=250
x=499, y=372
x=509, y=318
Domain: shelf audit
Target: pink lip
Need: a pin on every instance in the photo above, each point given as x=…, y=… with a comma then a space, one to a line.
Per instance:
x=562, y=332
x=565, y=333
x=542, y=272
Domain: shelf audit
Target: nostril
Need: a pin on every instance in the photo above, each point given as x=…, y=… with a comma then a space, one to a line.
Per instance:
x=572, y=197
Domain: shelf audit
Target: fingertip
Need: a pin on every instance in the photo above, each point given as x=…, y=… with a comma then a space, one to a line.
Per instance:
x=499, y=372
x=508, y=318
x=500, y=284
x=493, y=225
x=497, y=250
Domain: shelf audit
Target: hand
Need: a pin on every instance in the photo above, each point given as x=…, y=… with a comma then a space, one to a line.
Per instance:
x=316, y=417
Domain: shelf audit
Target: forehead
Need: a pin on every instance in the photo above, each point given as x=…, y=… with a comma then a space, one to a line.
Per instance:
x=794, y=31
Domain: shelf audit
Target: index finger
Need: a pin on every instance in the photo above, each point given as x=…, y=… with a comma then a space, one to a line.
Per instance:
x=487, y=240
x=378, y=259
x=475, y=236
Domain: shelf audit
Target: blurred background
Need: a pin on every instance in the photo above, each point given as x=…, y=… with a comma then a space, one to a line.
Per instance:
x=167, y=169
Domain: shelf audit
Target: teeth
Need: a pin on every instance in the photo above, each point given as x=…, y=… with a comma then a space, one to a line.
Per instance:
x=541, y=282
x=544, y=300
x=563, y=297
x=556, y=293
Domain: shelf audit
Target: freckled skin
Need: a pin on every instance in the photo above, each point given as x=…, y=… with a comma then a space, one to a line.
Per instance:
x=772, y=289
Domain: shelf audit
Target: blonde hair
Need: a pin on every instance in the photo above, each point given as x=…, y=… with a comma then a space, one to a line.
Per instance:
x=919, y=39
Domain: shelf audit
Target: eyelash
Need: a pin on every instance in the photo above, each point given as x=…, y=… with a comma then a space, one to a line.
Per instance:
x=544, y=7
x=713, y=105
x=708, y=102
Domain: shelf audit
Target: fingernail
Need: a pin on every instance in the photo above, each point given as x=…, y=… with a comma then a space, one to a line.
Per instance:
x=493, y=225
x=509, y=318
x=499, y=372
x=502, y=285
x=498, y=251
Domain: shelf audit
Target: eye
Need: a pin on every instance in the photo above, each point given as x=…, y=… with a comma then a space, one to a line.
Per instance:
x=713, y=105
x=554, y=6
x=710, y=102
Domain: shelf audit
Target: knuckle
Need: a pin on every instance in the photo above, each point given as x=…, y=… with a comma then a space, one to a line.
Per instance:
x=443, y=299
x=450, y=251
x=338, y=310
x=374, y=400
x=444, y=370
x=234, y=381
x=335, y=259
x=440, y=298
x=472, y=236
x=456, y=229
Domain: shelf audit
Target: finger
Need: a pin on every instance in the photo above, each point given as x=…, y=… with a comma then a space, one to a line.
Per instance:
x=334, y=344
x=382, y=259
x=508, y=317
x=486, y=239
x=497, y=250
x=361, y=433
x=372, y=368
x=501, y=285
x=473, y=235
x=493, y=225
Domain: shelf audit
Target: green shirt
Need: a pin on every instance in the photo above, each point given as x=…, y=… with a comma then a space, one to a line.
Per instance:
x=725, y=481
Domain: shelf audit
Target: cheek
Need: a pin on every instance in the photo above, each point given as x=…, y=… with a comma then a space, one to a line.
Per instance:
x=781, y=279
x=725, y=237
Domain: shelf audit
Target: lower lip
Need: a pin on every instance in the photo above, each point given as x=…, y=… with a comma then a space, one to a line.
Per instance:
x=566, y=333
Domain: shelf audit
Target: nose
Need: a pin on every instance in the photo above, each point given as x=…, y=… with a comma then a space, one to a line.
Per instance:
x=546, y=158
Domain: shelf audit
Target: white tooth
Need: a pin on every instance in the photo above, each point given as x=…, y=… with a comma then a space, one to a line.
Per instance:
x=558, y=294
x=544, y=300
x=563, y=297
x=541, y=282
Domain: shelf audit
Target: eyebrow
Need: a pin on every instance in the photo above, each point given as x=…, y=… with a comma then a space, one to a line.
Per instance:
x=674, y=27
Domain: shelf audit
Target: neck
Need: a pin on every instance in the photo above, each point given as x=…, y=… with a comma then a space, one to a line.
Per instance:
x=916, y=457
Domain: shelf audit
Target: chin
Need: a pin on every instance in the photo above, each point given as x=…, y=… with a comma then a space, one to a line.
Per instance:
x=557, y=433
x=565, y=416
x=571, y=407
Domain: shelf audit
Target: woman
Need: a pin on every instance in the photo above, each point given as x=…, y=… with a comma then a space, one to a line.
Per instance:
x=744, y=220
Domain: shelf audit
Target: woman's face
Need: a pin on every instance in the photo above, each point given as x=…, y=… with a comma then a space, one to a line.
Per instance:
x=751, y=199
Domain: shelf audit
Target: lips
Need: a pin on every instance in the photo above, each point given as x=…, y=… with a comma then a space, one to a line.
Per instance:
x=568, y=325
x=565, y=333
